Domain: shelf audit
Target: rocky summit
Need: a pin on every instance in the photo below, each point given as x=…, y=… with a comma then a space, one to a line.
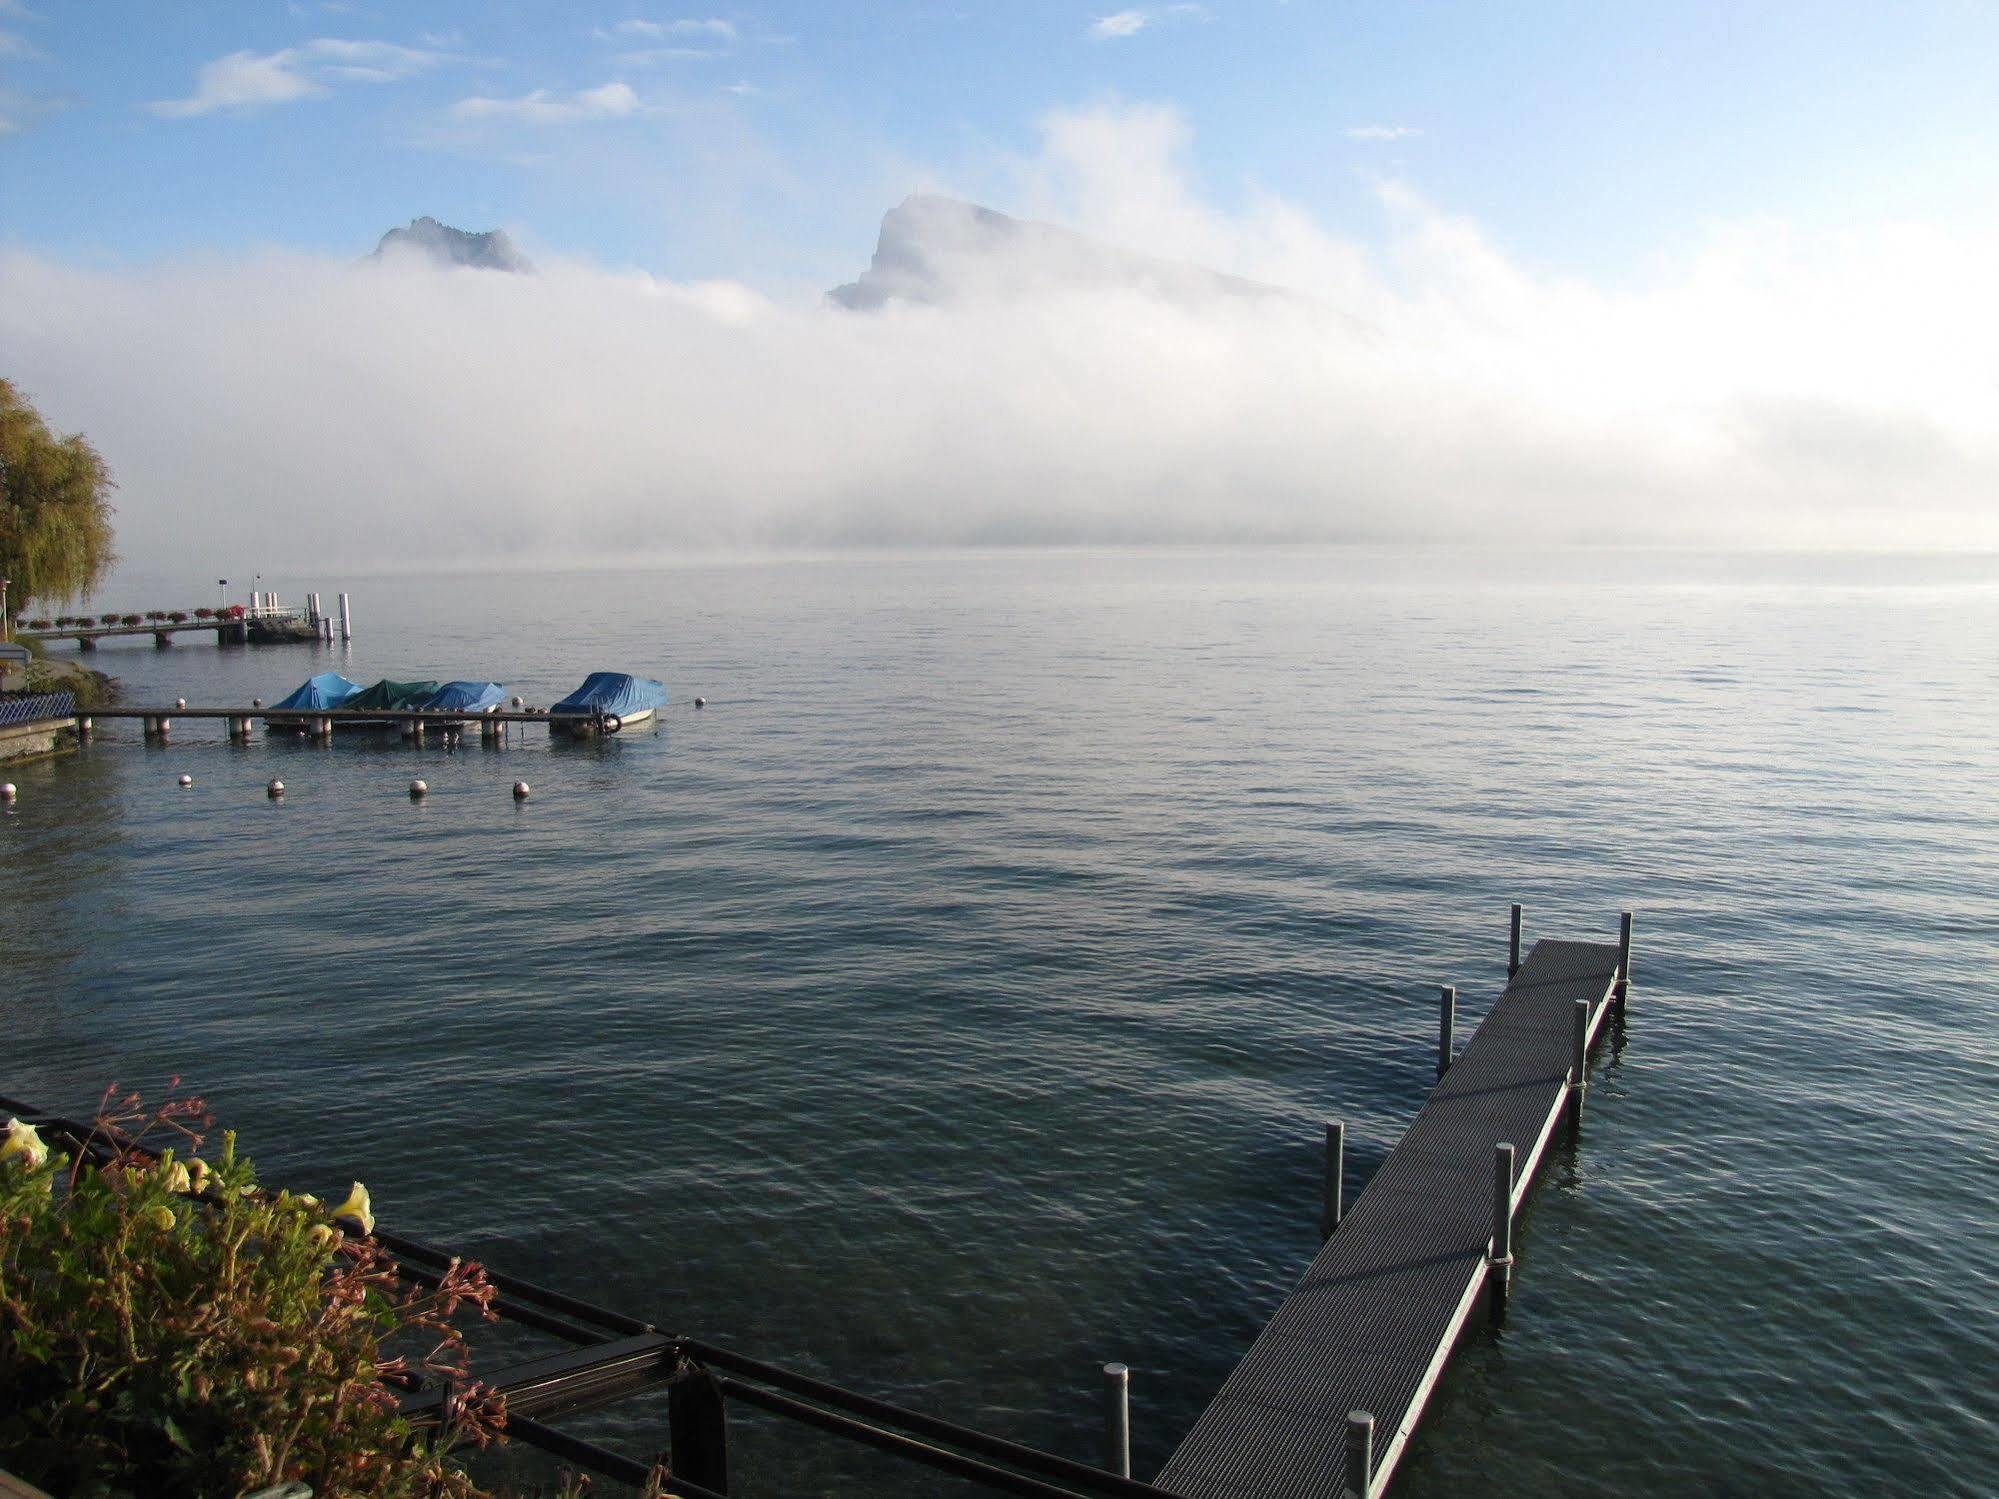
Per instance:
x=442, y=245
x=936, y=250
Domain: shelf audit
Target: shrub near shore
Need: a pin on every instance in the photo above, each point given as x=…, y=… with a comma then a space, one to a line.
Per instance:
x=169, y=1328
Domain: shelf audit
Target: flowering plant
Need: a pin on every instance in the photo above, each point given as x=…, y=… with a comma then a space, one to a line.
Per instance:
x=168, y=1327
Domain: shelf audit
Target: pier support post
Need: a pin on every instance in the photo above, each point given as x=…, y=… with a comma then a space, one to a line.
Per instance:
x=83, y=729
x=322, y=729
x=1117, y=1419
x=1447, y=1024
x=1578, y=1063
x=1500, y=1272
x=149, y=726
x=1336, y=1174
x=1360, y=1454
x=346, y=619
x=1513, y=949
x=490, y=732
x=1623, y=961
x=698, y=1429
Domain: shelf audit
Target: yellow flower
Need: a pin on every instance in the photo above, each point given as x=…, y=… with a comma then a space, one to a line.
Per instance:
x=320, y=1235
x=198, y=1173
x=162, y=1218
x=24, y=1142
x=175, y=1178
x=357, y=1207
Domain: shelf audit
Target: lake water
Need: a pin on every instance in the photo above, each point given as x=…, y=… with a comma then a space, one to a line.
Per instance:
x=953, y=1004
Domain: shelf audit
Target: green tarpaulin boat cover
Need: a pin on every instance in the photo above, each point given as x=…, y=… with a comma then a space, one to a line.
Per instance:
x=387, y=694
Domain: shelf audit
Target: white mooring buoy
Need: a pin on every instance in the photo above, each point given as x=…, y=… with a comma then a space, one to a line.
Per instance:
x=275, y=790
x=520, y=791
x=186, y=781
x=256, y=702
x=518, y=705
x=701, y=702
x=7, y=790
x=180, y=702
x=418, y=789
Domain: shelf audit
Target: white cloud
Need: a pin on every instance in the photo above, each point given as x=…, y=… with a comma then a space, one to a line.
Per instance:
x=19, y=110
x=661, y=30
x=14, y=45
x=645, y=57
x=249, y=80
x=610, y=101
x=1382, y=132
x=1118, y=24
x=1775, y=387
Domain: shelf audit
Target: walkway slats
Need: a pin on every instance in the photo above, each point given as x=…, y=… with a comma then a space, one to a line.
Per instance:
x=1372, y=1322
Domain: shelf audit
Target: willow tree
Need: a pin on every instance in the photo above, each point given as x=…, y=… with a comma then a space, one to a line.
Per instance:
x=55, y=507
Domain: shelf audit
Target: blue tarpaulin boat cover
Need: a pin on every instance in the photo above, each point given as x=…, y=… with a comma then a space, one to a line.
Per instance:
x=327, y=690
x=468, y=697
x=613, y=692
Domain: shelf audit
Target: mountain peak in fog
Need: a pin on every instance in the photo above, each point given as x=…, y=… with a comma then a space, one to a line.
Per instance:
x=442, y=245
x=935, y=250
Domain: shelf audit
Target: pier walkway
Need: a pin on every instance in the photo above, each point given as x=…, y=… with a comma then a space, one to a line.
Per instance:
x=1325, y=1400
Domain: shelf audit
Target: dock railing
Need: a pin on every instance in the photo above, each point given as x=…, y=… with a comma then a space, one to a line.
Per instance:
x=615, y=1356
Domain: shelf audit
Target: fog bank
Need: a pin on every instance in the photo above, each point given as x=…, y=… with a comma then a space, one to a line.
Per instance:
x=1775, y=388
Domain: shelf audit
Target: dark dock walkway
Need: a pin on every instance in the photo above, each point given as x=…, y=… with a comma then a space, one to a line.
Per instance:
x=1369, y=1328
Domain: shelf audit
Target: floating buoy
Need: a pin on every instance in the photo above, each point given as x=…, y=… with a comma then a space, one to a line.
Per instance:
x=7, y=790
x=518, y=704
x=701, y=702
x=275, y=790
x=418, y=789
x=187, y=781
x=180, y=702
x=520, y=791
x=256, y=702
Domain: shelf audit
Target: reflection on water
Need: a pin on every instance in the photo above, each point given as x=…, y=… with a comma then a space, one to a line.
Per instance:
x=952, y=1004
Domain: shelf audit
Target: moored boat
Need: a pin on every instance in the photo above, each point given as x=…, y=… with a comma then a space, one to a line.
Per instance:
x=469, y=698
x=607, y=702
x=327, y=690
x=386, y=695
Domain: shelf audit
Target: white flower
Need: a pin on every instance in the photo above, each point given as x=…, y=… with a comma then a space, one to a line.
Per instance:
x=175, y=1178
x=24, y=1142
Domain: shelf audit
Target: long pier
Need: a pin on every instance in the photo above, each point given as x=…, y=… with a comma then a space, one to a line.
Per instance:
x=318, y=723
x=264, y=622
x=1326, y=1399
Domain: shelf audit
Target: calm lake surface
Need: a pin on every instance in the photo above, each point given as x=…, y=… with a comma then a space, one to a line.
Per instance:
x=953, y=1004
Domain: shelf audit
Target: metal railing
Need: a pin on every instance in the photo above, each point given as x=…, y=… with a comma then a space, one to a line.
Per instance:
x=616, y=1356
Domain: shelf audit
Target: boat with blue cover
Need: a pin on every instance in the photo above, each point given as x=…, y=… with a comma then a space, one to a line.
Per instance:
x=327, y=690
x=608, y=701
x=466, y=697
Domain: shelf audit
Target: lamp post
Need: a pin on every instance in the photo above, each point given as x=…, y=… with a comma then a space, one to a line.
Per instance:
x=223, y=597
x=6, y=615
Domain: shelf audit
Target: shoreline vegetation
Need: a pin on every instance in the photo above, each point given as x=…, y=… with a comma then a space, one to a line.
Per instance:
x=91, y=688
x=169, y=1327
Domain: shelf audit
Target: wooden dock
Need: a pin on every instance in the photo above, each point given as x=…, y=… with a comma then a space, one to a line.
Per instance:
x=1327, y=1397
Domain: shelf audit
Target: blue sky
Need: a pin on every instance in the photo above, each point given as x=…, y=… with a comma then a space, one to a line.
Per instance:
x=765, y=142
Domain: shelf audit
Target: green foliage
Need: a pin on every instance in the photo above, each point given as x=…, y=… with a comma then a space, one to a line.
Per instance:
x=167, y=1328
x=55, y=507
